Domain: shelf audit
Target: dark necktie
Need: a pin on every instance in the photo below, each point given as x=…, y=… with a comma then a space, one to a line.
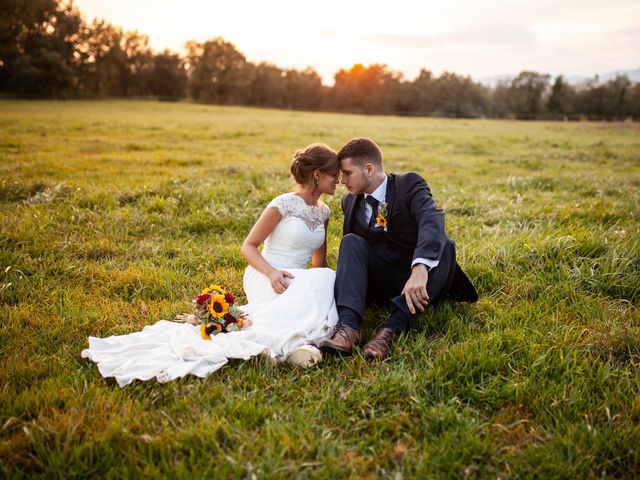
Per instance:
x=370, y=199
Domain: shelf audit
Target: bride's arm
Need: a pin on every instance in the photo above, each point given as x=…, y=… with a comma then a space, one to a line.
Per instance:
x=319, y=258
x=258, y=234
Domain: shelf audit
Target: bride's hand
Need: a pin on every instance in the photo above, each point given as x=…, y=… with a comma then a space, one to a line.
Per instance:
x=278, y=280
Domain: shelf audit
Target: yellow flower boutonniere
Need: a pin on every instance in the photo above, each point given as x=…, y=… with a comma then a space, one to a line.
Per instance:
x=381, y=218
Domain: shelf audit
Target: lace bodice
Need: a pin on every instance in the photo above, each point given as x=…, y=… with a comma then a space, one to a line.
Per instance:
x=299, y=233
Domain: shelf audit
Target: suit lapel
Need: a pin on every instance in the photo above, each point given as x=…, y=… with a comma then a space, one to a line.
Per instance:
x=351, y=203
x=390, y=195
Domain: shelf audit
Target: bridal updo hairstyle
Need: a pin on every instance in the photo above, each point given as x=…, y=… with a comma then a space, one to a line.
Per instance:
x=316, y=156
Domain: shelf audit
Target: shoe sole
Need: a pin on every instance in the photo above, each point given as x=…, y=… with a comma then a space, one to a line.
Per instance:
x=303, y=357
x=374, y=358
x=333, y=350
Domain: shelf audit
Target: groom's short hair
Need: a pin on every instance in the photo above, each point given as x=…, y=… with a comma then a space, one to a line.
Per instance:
x=362, y=150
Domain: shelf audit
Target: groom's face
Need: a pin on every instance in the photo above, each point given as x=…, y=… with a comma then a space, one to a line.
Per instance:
x=354, y=177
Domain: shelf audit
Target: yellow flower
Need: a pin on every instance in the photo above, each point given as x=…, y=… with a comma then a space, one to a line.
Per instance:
x=213, y=288
x=239, y=323
x=203, y=332
x=218, y=307
x=381, y=221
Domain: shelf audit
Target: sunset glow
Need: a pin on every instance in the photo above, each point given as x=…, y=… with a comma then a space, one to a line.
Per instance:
x=479, y=38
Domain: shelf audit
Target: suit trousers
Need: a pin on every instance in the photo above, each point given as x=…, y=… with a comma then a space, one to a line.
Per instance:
x=367, y=275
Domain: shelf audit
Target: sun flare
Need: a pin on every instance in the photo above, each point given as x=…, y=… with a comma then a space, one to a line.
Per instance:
x=468, y=37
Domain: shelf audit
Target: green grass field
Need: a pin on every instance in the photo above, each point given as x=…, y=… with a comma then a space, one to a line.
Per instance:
x=115, y=214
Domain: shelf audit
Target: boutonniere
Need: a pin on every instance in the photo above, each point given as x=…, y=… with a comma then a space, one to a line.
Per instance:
x=381, y=218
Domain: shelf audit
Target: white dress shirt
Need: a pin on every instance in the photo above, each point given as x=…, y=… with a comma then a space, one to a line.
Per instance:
x=380, y=194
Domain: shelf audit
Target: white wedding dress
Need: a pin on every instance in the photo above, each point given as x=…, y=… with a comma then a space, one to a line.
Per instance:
x=304, y=314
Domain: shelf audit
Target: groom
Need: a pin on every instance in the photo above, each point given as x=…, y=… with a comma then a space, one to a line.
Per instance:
x=395, y=251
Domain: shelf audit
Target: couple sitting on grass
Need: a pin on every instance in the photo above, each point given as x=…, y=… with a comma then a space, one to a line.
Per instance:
x=394, y=252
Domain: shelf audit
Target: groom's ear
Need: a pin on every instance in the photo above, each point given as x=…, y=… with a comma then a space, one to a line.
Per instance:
x=369, y=168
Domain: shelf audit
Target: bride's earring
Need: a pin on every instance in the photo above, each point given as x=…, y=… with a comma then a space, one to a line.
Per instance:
x=315, y=183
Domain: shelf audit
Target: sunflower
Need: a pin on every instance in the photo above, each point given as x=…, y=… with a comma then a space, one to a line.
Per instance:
x=213, y=288
x=381, y=221
x=218, y=307
x=203, y=332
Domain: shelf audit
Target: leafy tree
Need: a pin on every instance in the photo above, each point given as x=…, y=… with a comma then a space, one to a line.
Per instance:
x=526, y=93
x=458, y=96
x=367, y=89
x=633, y=100
x=37, y=46
x=500, y=100
x=450, y=95
x=612, y=99
x=139, y=64
x=113, y=62
x=423, y=93
x=303, y=89
x=168, y=78
x=99, y=57
x=267, y=86
x=219, y=73
x=562, y=97
x=616, y=96
x=18, y=19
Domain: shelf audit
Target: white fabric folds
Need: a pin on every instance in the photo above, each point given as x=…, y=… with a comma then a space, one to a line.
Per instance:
x=305, y=313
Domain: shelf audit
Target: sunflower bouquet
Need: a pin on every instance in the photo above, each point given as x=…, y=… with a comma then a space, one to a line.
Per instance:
x=216, y=312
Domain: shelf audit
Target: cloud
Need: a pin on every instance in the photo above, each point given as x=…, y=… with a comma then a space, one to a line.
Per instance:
x=327, y=32
x=487, y=35
x=627, y=33
x=476, y=37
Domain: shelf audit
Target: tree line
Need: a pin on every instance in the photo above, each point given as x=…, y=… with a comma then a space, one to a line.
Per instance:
x=47, y=49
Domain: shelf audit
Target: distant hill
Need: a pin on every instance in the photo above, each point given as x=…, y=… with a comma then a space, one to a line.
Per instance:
x=634, y=76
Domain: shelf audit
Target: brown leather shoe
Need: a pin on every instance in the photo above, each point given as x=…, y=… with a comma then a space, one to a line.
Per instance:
x=378, y=347
x=342, y=340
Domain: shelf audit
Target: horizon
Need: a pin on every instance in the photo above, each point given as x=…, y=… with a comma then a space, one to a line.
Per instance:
x=469, y=38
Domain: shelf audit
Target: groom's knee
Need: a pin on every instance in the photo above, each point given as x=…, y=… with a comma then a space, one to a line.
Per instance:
x=354, y=250
x=352, y=241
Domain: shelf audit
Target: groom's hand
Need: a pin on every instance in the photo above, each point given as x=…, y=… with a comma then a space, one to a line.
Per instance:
x=415, y=290
x=278, y=280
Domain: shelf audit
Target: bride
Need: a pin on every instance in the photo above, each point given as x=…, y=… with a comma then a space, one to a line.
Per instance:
x=290, y=307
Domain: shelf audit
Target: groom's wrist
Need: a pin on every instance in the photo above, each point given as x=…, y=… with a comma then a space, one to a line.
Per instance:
x=427, y=262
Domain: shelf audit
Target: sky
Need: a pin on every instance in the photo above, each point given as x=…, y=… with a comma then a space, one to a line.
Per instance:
x=480, y=38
